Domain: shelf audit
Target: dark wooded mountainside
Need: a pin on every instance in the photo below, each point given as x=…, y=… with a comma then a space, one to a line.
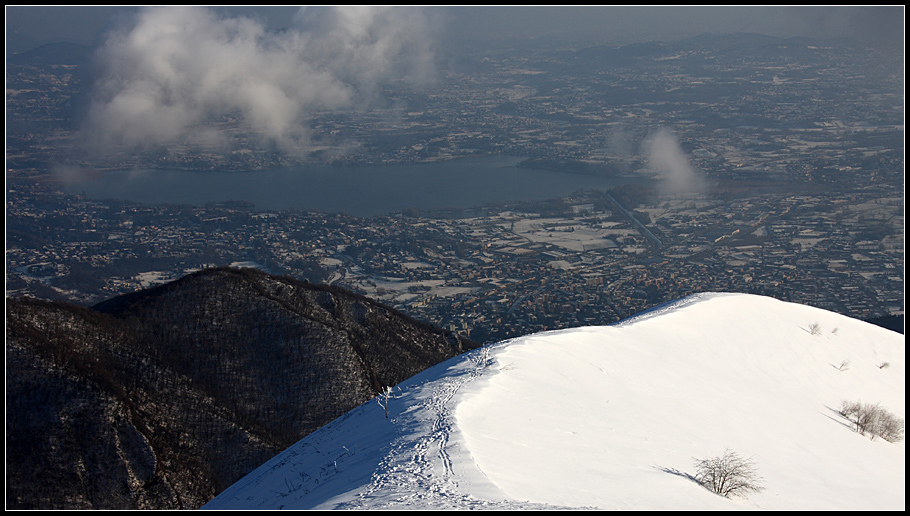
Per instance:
x=163, y=398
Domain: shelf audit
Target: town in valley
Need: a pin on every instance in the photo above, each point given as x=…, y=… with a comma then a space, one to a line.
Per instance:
x=798, y=144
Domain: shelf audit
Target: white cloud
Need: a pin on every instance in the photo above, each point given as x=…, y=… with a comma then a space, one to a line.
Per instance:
x=668, y=159
x=172, y=70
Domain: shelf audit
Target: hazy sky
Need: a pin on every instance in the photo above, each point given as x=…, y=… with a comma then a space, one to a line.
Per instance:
x=603, y=24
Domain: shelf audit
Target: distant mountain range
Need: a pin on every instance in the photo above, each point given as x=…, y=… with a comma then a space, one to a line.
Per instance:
x=26, y=50
x=162, y=398
x=53, y=53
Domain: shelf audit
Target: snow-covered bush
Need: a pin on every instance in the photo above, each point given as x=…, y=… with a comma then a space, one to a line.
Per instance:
x=872, y=418
x=727, y=475
x=889, y=427
x=383, y=399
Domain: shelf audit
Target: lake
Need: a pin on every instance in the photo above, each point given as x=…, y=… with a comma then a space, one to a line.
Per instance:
x=362, y=191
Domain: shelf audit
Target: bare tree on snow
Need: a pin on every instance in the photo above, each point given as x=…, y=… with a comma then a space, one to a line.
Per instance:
x=728, y=475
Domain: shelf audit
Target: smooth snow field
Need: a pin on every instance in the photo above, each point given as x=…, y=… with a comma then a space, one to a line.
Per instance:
x=613, y=417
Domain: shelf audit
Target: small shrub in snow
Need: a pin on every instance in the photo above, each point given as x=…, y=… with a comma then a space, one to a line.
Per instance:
x=383, y=399
x=727, y=475
x=889, y=427
x=854, y=410
x=815, y=329
x=482, y=359
x=872, y=418
x=844, y=365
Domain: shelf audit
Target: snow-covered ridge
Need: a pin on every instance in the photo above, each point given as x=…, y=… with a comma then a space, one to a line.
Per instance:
x=669, y=306
x=612, y=417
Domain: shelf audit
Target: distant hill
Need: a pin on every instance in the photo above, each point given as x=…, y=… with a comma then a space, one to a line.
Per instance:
x=735, y=43
x=162, y=398
x=53, y=53
x=19, y=42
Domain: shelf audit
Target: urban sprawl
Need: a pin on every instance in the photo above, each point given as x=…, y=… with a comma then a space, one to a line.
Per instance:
x=801, y=148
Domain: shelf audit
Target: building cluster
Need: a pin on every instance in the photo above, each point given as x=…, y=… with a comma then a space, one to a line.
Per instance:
x=511, y=272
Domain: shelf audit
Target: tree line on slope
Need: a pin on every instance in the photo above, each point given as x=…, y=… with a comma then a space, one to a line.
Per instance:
x=165, y=398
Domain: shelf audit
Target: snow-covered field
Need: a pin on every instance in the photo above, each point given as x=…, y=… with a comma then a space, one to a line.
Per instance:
x=613, y=418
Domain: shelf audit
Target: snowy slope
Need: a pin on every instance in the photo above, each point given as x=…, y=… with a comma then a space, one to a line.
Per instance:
x=612, y=417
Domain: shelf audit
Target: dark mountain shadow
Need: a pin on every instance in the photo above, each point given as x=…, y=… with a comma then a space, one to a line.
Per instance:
x=163, y=398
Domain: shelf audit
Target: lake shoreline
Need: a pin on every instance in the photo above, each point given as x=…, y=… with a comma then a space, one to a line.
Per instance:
x=451, y=185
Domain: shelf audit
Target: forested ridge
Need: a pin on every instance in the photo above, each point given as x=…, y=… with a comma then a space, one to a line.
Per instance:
x=162, y=398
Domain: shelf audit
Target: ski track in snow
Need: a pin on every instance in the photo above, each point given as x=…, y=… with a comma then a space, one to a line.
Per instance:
x=408, y=469
x=421, y=473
